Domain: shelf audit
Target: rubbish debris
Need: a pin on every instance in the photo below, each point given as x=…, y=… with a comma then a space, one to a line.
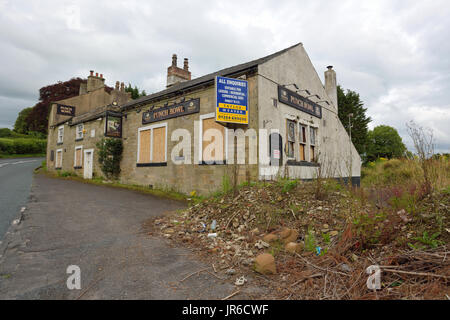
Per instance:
x=203, y=226
x=212, y=235
x=261, y=244
x=230, y=272
x=213, y=225
x=240, y=281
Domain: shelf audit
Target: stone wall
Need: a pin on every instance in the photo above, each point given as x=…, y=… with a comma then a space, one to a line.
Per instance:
x=204, y=179
x=70, y=143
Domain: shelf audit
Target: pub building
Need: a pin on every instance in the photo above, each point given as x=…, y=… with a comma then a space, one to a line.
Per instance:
x=260, y=120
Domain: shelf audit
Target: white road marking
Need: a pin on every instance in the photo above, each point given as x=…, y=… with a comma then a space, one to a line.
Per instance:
x=17, y=162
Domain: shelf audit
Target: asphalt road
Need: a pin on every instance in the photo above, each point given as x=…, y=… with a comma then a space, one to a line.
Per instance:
x=15, y=184
x=102, y=231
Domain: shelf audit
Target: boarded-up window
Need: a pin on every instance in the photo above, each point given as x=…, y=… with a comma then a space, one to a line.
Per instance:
x=58, y=163
x=213, y=150
x=152, y=145
x=313, y=137
x=159, y=145
x=144, y=146
x=78, y=157
x=302, y=152
x=290, y=129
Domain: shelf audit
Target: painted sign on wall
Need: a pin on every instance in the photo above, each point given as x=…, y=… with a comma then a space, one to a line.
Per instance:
x=176, y=110
x=65, y=110
x=113, y=125
x=231, y=100
x=295, y=100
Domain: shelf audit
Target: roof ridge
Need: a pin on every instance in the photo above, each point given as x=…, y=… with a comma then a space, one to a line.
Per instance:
x=208, y=77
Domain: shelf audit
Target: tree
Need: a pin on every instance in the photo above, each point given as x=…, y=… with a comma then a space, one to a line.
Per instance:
x=350, y=102
x=384, y=142
x=21, y=124
x=37, y=119
x=135, y=92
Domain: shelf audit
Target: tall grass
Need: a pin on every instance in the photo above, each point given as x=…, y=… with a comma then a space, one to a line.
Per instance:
x=406, y=173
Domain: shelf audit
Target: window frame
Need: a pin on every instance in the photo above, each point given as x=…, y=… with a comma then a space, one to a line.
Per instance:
x=200, y=151
x=289, y=142
x=151, y=127
x=77, y=132
x=60, y=141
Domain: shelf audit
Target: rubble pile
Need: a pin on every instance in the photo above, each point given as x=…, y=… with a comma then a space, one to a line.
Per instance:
x=302, y=246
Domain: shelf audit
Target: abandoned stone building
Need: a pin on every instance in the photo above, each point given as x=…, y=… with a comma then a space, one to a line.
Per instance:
x=289, y=121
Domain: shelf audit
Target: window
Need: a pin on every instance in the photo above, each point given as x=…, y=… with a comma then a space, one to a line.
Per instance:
x=78, y=160
x=302, y=145
x=152, y=145
x=312, y=142
x=79, y=134
x=290, y=139
x=213, y=147
x=60, y=134
x=58, y=163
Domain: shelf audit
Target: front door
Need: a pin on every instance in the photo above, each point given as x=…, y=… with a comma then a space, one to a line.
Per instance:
x=88, y=163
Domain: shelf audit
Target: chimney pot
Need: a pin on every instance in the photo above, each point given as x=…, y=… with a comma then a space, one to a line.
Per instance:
x=117, y=85
x=92, y=73
x=174, y=60
x=101, y=75
x=186, y=64
x=330, y=67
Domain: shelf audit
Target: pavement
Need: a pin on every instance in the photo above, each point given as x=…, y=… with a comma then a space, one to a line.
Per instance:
x=15, y=183
x=100, y=230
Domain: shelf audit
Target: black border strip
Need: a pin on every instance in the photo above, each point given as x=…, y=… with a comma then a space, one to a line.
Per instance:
x=152, y=164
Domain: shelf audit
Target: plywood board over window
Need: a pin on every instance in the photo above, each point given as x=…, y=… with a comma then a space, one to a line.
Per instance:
x=58, y=162
x=218, y=154
x=144, y=146
x=78, y=162
x=159, y=145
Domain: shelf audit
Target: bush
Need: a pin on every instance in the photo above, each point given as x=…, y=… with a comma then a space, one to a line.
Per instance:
x=22, y=146
x=109, y=156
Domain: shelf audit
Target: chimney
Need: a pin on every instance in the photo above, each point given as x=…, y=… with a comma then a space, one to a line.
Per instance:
x=175, y=74
x=94, y=82
x=331, y=85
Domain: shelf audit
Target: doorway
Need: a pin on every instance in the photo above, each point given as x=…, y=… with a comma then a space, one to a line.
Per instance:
x=88, y=163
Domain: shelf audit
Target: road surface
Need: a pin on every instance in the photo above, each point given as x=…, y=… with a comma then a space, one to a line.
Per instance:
x=15, y=184
x=101, y=230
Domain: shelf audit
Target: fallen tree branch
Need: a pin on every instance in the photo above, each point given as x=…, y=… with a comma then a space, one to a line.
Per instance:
x=194, y=273
x=231, y=295
x=416, y=273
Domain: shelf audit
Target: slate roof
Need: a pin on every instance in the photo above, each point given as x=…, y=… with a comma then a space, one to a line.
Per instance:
x=204, y=79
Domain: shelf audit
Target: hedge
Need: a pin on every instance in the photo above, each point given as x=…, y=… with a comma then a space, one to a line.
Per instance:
x=22, y=146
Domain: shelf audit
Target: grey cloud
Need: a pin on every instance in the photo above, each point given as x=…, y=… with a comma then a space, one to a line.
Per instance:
x=394, y=53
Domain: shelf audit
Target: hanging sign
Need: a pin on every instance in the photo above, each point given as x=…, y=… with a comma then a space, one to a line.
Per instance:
x=231, y=100
x=113, y=125
x=65, y=110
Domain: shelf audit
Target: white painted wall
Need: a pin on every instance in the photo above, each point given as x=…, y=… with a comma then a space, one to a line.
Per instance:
x=336, y=150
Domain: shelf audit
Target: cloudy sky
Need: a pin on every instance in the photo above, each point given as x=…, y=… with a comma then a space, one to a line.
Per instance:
x=396, y=54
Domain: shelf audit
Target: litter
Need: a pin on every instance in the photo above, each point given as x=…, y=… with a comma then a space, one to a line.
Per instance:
x=240, y=281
